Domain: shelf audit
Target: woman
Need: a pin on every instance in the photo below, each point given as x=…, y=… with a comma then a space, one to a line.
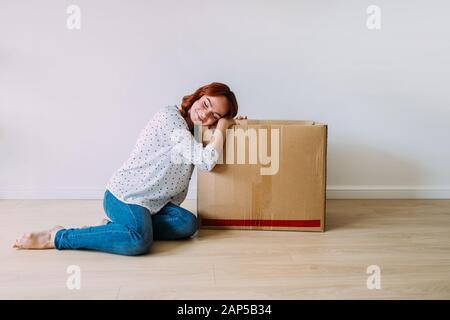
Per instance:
x=143, y=197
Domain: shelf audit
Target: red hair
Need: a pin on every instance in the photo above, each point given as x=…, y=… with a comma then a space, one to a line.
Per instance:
x=213, y=89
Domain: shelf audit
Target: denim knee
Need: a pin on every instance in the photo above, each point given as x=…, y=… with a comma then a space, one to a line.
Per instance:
x=140, y=245
x=190, y=226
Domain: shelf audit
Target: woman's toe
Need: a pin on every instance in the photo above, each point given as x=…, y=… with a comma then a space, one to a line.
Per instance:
x=16, y=244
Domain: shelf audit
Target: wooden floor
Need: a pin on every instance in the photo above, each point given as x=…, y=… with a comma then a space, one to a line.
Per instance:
x=408, y=239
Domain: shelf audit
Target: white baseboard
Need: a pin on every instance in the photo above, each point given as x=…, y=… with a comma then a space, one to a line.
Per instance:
x=52, y=193
x=333, y=192
x=387, y=192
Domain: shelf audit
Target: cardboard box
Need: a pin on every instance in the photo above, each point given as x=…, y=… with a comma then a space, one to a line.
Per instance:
x=272, y=176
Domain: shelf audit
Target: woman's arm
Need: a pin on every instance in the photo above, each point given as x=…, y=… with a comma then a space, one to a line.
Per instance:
x=218, y=138
x=219, y=134
x=194, y=152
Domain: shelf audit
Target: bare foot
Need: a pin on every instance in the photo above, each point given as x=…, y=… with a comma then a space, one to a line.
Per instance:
x=38, y=240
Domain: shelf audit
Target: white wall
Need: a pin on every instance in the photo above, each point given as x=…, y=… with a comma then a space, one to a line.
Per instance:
x=72, y=102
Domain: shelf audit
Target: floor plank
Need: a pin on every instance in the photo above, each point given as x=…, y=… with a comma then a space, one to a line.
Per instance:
x=408, y=239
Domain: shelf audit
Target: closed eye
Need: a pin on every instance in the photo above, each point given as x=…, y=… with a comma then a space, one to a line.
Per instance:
x=216, y=115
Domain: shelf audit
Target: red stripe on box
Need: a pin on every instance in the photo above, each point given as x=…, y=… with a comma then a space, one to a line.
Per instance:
x=260, y=223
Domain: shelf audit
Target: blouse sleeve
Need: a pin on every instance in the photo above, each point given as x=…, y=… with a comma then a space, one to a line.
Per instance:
x=189, y=151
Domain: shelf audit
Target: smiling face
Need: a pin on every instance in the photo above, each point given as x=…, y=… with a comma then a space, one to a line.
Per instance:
x=208, y=110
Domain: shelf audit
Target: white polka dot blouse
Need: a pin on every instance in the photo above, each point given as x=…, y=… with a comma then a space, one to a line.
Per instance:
x=161, y=163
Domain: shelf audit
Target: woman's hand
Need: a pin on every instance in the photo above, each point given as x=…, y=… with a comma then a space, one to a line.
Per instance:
x=222, y=125
x=240, y=117
x=227, y=122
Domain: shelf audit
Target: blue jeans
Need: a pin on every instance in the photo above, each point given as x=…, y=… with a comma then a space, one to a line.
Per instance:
x=132, y=228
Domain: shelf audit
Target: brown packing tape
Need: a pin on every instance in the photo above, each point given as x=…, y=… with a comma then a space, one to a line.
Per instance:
x=237, y=173
x=230, y=167
x=262, y=189
x=262, y=198
x=248, y=214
